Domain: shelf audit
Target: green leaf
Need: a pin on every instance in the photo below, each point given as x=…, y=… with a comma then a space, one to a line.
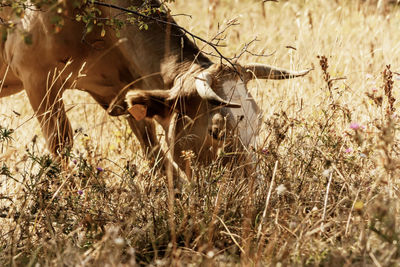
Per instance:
x=89, y=28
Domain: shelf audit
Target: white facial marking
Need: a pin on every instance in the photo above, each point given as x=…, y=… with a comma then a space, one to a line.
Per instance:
x=249, y=126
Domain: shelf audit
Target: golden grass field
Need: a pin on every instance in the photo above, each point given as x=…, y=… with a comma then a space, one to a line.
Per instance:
x=325, y=191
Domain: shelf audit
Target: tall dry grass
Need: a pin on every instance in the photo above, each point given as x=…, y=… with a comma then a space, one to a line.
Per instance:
x=325, y=190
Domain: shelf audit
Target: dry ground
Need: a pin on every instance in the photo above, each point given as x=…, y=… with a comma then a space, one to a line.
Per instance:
x=326, y=189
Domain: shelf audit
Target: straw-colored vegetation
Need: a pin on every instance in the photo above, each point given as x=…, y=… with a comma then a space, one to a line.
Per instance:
x=326, y=186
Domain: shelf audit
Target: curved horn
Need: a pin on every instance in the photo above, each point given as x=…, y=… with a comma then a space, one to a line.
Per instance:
x=262, y=71
x=203, y=81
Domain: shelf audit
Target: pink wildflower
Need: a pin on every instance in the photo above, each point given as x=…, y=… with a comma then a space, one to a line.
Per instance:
x=348, y=150
x=356, y=126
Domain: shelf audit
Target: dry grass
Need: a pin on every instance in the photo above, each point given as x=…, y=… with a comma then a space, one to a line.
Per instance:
x=326, y=189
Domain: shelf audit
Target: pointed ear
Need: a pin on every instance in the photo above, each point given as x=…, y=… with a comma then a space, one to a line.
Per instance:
x=138, y=111
x=147, y=104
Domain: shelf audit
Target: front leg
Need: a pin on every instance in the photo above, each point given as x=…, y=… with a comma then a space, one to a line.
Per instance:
x=49, y=109
x=145, y=132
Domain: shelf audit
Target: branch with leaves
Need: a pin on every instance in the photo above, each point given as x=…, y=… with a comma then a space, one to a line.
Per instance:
x=169, y=23
x=90, y=15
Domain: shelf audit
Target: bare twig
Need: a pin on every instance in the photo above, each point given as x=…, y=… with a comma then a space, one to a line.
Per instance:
x=170, y=180
x=326, y=202
x=351, y=210
x=231, y=235
x=267, y=201
x=245, y=50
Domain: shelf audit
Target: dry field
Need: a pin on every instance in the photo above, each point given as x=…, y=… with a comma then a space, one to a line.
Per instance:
x=326, y=186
